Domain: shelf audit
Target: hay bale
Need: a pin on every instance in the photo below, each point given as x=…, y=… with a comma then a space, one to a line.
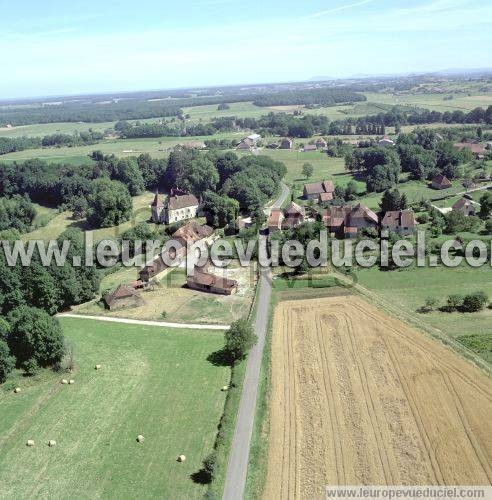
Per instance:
x=225, y=388
x=181, y=458
x=30, y=442
x=51, y=443
x=17, y=390
x=140, y=438
x=97, y=367
x=71, y=381
x=64, y=381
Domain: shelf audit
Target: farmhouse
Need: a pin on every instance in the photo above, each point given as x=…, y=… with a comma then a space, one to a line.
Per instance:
x=191, y=233
x=156, y=268
x=275, y=219
x=309, y=147
x=313, y=190
x=466, y=207
x=386, y=142
x=348, y=221
x=294, y=215
x=211, y=283
x=178, y=206
x=286, y=143
x=245, y=144
x=123, y=296
x=441, y=182
x=400, y=221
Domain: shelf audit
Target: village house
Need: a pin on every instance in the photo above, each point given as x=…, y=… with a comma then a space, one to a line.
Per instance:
x=346, y=221
x=178, y=206
x=124, y=296
x=286, y=143
x=294, y=215
x=192, y=232
x=466, y=207
x=441, y=182
x=314, y=190
x=399, y=221
x=206, y=282
x=275, y=219
x=157, y=268
x=309, y=147
x=386, y=142
x=245, y=144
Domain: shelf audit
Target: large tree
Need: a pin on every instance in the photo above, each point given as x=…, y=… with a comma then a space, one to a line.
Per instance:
x=240, y=338
x=7, y=361
x=109, y=203
x=35, y=335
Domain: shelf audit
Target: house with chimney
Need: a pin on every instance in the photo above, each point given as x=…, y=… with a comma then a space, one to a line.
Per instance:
x=178, y=205
x=399, y=221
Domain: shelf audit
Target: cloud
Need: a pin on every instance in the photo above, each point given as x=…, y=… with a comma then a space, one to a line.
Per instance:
x=337, y=9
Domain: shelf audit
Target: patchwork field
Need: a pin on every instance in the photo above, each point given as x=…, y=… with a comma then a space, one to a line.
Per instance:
x=153, y=382
x=360, y=398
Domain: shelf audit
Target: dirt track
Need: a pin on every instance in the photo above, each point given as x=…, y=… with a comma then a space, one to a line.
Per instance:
x=360, y=398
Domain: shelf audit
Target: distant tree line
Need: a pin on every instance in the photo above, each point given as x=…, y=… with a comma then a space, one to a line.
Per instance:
x=318, y=96
x=11, y=144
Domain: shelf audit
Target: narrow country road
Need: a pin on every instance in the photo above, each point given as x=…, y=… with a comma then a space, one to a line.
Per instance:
x=237, y=467
x=165, y=324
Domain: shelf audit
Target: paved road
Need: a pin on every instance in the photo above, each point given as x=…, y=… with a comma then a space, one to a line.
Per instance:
x=281, y=197
x=145, y=322
x=237, y=467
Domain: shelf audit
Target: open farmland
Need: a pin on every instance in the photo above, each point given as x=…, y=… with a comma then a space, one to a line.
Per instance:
x=360, y=398
x=153, y=381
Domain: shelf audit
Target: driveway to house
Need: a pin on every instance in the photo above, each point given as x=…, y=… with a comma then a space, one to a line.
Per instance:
x=191, y=326
x=237, y=467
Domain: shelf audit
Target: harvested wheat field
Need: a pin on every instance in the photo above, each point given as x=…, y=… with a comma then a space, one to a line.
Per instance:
x=361, y=398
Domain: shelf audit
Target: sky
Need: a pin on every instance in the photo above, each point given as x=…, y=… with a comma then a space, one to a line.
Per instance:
x=55, y=47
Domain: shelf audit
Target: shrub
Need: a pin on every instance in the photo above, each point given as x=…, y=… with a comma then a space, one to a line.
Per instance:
x=430, y=303
x=209, y=465
x=454, y=302
x=30, y=367
x=423, y=218
x=474, y=302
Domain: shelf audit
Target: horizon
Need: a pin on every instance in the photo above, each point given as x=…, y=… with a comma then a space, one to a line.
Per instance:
x=63, y=50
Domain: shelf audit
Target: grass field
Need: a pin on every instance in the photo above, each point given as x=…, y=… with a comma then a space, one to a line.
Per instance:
x=153, y=382
x=360, y=398
x=56, y=222
x=408, y=289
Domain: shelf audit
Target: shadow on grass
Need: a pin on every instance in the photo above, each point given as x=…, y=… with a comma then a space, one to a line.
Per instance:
x=220, y=358
x=201, y=477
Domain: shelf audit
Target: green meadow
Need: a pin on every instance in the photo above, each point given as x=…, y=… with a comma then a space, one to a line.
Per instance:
x=154, y=382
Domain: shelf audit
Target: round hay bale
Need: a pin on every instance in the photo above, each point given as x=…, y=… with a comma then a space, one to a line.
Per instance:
x=64, y=381
x=181, y=458
x=17, y=390
x=30, y=442
x=71, y=381
x=97, y=367
x=225, y=388
x=140, y=438
x=51, y=443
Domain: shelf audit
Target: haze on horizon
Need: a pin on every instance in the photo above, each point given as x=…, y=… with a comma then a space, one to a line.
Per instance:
x=61, y=49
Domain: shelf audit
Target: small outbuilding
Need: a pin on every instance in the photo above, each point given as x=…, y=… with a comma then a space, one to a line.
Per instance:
x=441, y=182
x=123, y=296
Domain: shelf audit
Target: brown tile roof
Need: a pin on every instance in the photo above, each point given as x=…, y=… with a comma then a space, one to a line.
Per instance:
x=175, y=202
x=336, y=215
x=463, y=202
x=325, y=197
x=361, y=211
x=399, y=218
x=314, y=188
x=441, y=180
x=192, y=232
x=328, y=186
x=293, y=209
x=275, y=217
x=211, y=280
x=122, y=292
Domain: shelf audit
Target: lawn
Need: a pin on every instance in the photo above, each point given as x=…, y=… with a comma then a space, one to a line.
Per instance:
x=56, y=222
x=153, y=381
x=409, y=288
